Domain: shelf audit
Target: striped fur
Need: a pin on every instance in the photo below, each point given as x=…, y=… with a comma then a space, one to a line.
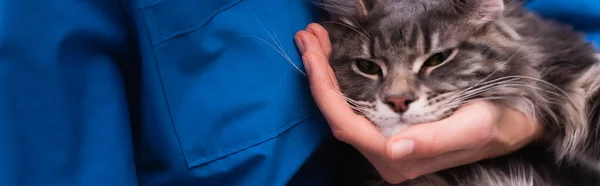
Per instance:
x=497, y=51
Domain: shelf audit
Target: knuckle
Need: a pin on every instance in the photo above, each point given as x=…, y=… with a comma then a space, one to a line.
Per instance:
x=411, y=175
x=433, y=148
x=340, y=135
x=486, y=133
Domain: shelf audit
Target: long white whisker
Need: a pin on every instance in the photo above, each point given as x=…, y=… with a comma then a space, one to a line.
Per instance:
x=361, y=27
x=282, y=53
x=591, y=91
x=503, y=64
x=349, y=27
x=483, y=87
x=278, y=47
x=303, y=73
x=506, y=84
x=542, y=81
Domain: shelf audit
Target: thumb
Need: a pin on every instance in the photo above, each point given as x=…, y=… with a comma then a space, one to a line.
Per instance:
x=471, y=126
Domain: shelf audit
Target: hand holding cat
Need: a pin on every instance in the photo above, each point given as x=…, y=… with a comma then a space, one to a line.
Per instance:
x=474, y=132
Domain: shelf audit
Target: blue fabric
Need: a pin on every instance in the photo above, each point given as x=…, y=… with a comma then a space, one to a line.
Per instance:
x=219, y=105
x=173, y=92
x=63, y=113
x=166, y=92
x=583, y=15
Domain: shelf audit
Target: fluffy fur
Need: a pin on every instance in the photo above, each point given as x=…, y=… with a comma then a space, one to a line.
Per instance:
x=493, y=50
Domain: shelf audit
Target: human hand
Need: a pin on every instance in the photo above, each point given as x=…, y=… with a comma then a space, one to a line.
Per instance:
x=474, y=132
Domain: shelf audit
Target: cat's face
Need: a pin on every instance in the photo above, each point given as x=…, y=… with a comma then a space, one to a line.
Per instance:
x=407, y=62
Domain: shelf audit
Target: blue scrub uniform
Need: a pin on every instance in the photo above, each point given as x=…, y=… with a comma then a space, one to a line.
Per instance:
x=167, y=92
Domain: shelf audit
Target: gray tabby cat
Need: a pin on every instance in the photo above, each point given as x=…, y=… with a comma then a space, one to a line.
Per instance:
x=405, y=62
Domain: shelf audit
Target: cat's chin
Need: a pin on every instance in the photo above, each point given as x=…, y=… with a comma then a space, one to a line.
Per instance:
x=389, y=130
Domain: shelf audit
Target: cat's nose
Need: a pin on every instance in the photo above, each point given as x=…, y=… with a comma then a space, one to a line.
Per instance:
x=399, y=103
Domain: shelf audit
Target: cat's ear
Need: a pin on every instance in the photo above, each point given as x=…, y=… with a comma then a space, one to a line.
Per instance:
x=347, y=8
x=482, y=11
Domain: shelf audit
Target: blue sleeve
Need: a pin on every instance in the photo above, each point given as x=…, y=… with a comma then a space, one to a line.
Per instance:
x=63, y=113
x=583, y=15
x=222, y=103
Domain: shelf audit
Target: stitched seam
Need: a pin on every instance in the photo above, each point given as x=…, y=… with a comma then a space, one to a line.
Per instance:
x=162, y=85
x=262, y=138
x=202, y=24
x=219, y=154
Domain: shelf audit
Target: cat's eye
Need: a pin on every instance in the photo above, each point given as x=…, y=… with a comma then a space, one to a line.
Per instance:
x=437, y=58
x=368, y=67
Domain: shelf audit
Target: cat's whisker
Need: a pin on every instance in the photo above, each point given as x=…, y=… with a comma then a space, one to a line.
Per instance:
x=521, y=84
x=282, y=53
x=278, y=47
x=537, y=88
x=347, y=26
x=453, y=105
x=544, y=82
x=591, y=91
x=482, y=87
x=564, y=94
x=359, y=110
x=462, y=103
x=278, y=44
x=483, y=83
x=361, y=27
x=464, y=94
x=495, y=71
x=331, y=6
x=507, y=85
x=467, y=99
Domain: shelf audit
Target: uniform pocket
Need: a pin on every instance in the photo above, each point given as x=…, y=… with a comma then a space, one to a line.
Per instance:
x=226, y=89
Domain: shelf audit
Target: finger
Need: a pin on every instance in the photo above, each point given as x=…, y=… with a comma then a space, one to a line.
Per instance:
x=311, y=44
x=412, y=169
x=322, y=36
x=345, y=124
x=471, y=126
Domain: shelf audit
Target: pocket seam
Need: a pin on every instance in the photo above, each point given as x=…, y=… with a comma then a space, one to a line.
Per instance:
x=201, y=24
x=247, y=144
x=161, y=75
x=224, y=152
x=163, y=89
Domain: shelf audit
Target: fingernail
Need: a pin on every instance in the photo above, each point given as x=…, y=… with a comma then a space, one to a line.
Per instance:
x=299, y=44
x=306, y=64
x=402, y=148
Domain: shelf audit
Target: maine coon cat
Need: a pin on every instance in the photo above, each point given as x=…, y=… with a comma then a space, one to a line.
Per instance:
x=405, y=62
